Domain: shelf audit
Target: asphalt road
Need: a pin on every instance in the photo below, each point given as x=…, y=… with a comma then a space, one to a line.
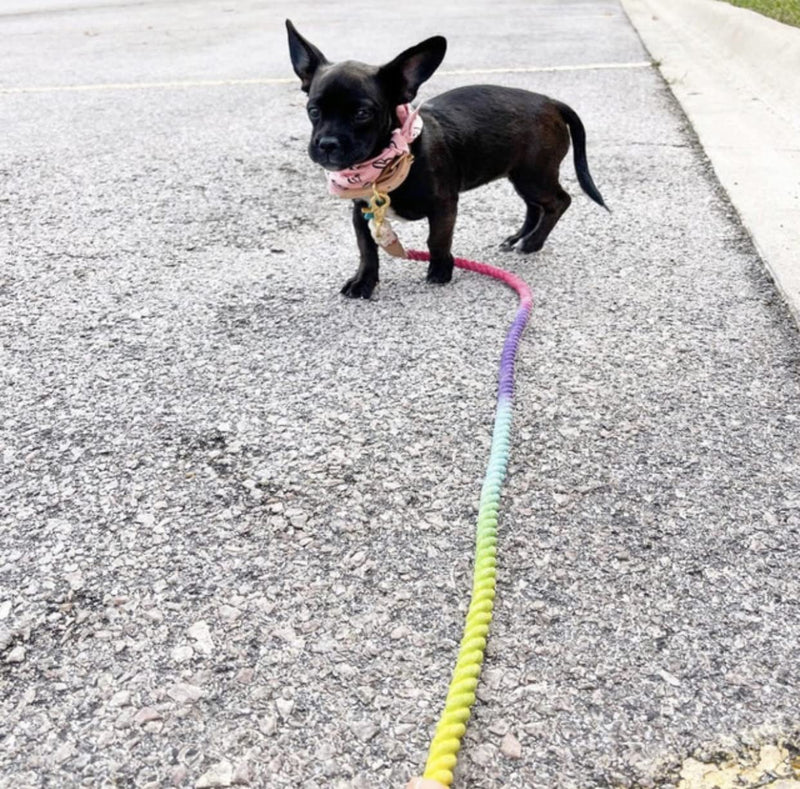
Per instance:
x=237, y=509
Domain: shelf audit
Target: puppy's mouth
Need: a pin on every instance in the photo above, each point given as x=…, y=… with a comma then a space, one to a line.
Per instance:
x=333, y=161
x=336, y=153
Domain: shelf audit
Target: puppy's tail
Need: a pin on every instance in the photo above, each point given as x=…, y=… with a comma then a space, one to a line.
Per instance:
x=578, y=134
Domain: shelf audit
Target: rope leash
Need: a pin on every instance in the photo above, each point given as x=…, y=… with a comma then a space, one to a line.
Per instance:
x=442, y=755
x=452, y=725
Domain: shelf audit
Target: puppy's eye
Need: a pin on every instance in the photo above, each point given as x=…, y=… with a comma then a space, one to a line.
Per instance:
x=313, y=113
x=364, y=114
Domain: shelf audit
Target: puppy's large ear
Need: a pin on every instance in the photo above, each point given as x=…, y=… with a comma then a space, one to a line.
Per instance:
x=411, y=68
x=306, y=58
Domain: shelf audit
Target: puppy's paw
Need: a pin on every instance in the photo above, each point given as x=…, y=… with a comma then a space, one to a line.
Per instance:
x=509, y=244
x=530, y=244
x=357, y=288
x=440, y=274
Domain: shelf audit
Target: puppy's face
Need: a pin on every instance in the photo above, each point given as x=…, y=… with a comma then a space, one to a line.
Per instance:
x=351, y=115
x=351, y=105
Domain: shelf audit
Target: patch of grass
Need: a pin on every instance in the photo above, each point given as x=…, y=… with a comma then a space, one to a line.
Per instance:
x=787, y=11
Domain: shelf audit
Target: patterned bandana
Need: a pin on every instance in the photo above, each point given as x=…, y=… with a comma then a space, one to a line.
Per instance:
x=388, y=169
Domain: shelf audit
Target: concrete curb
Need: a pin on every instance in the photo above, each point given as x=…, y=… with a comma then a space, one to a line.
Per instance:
x=735, y=74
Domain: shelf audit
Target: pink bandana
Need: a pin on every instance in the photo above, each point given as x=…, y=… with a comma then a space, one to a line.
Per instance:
x=361, y=177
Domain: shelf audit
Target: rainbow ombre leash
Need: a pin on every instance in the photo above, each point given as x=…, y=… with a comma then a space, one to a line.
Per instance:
x=452, y=725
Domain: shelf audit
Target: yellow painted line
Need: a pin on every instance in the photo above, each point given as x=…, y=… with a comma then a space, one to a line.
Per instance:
x=545, y=69
x=217, y=83
x=200, y=83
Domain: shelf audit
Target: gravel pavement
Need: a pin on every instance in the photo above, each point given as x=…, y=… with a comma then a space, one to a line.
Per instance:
x=237, y=509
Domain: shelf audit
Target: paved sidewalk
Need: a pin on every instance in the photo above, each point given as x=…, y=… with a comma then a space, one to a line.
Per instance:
x=735, y=74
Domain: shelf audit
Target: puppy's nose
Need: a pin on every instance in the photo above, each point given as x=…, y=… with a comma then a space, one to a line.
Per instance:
x=328, y=144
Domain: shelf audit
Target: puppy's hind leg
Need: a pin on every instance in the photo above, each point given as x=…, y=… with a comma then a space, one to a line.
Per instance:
x=532, y=219
x=546, y=195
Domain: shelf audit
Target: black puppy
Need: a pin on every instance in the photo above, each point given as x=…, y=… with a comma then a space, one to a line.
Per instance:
x=470, y=136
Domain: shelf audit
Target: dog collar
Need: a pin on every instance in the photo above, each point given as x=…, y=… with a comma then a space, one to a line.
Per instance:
x=388, y=169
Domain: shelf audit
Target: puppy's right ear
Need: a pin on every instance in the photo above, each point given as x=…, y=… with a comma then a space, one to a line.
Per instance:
x=306, y=58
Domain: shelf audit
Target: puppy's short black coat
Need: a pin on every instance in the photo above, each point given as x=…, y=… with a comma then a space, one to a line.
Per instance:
x=471, y=136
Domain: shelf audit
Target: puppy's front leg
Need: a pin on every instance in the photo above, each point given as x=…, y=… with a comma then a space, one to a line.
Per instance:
x=440, y=240
x=363, y=283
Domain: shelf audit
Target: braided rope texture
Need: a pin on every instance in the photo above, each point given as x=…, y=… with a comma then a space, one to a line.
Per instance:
x=452, y=725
